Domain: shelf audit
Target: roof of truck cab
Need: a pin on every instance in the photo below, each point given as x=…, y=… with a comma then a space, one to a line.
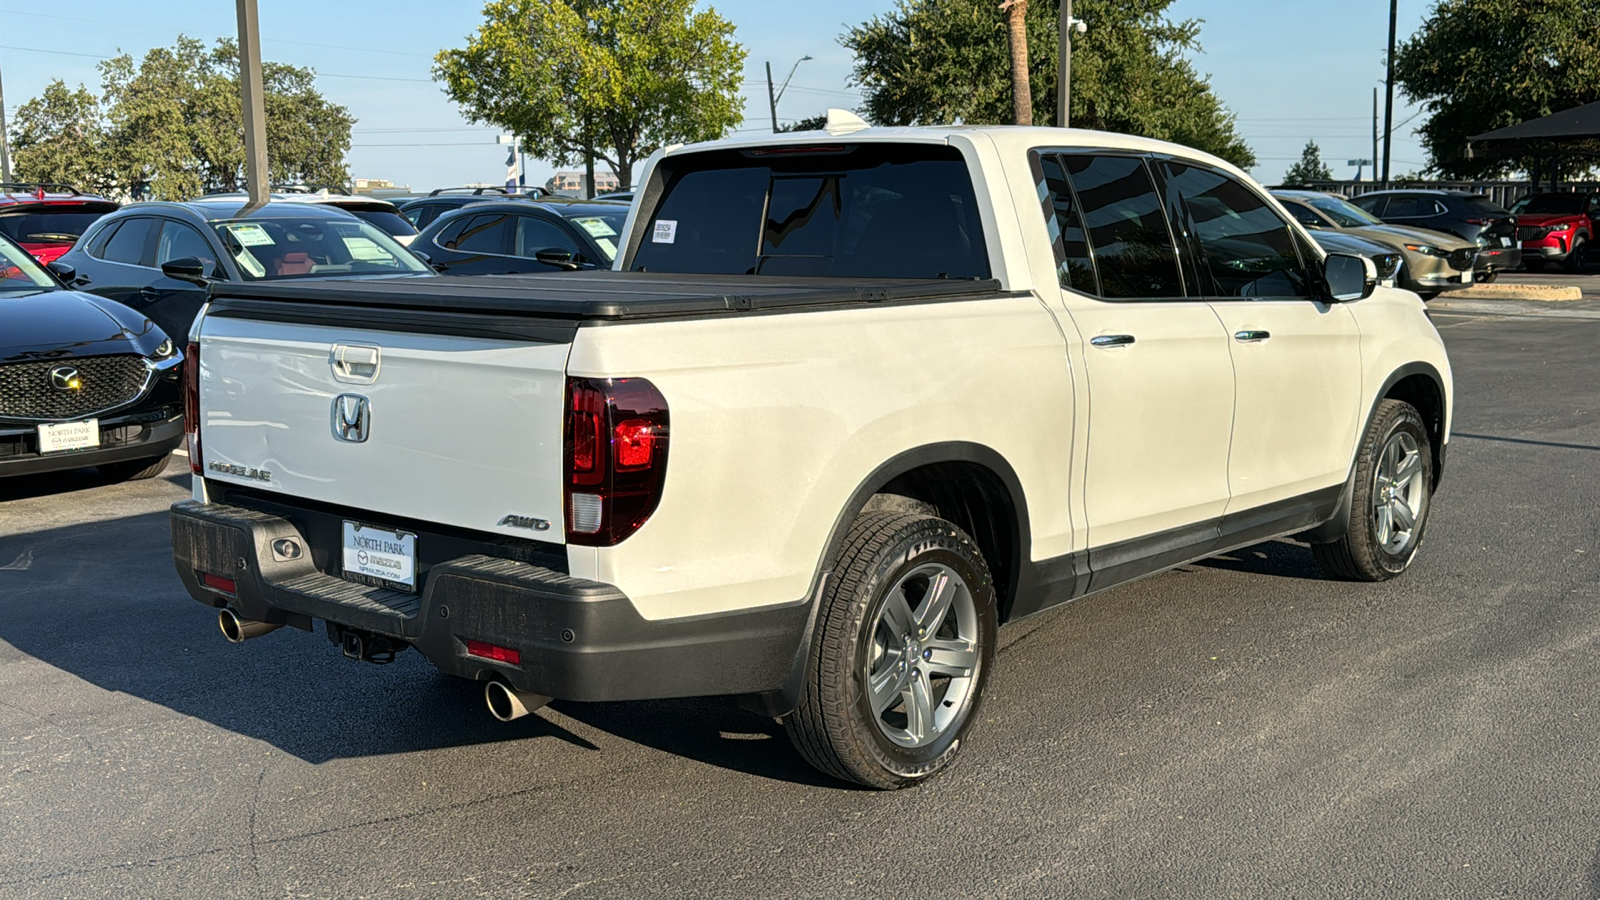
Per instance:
x=1008, y=139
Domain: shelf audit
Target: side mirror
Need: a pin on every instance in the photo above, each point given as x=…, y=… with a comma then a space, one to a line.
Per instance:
x=556, y=256
x=427, y=260
x=62, y=271
x=187, y=268
x=1348, y=277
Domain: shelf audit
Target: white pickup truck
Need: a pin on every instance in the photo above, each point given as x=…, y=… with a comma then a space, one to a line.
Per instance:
x=849, y=401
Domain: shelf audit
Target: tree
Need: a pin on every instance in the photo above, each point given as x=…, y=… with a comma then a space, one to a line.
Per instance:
x=1017, y=42
x=176, y=123
x=944, y=61
x=611, y=79
x=811, y=123
x=60, y=138
x=1478, y=65
x=1310, y=168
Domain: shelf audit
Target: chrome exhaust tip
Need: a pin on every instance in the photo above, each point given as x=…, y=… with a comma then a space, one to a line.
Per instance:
x=238, y=630
x=506, y=703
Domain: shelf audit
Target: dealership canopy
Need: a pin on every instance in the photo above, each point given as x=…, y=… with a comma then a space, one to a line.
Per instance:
x=1573, y=131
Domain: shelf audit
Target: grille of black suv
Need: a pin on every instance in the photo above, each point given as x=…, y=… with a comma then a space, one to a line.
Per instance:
x=34, y=390
x=1462, y=260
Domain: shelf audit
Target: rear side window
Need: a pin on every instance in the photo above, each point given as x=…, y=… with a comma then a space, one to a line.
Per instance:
x=1370, y=203
x=1245, y=248
x=483, y=234
x=1133, y=248
x=1410, y=208
x=888, y=210
x=1074, y=265
x=128, y=244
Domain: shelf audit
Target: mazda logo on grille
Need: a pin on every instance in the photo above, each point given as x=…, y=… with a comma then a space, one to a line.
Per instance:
x=352, y=418
x=66, y=379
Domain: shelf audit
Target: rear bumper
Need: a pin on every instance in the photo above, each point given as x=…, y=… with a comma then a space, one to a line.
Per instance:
x=578, y=639
x=1498, y=258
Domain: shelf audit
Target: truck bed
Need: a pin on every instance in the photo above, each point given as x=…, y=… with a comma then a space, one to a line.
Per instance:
x=550, y=307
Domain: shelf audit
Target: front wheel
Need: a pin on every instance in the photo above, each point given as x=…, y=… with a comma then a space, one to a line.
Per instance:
x=904, y=642
x=1393, y=494
x=1574, y=260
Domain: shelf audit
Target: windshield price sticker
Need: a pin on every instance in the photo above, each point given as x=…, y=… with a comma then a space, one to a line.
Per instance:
x=250, y=235
x=365, y=249
x=597, y=227
x=388, y=556
x=666, y=232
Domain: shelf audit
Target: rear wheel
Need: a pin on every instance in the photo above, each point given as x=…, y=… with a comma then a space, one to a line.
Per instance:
x=1489, y=277
x=1393, y=493
x=133, y=469
x=904, y=641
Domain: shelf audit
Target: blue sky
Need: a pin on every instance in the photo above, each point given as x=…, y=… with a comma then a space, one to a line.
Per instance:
x=1291, y=70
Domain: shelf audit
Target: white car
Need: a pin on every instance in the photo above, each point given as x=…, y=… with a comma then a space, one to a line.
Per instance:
x=849, y=401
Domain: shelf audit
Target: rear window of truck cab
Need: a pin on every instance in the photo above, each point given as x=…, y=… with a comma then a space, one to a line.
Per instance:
x=865, y=210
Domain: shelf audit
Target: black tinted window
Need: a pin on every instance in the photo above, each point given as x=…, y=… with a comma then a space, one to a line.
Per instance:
x=535, y=234
x=1370, y=203
x=893, y=211
x=1408, y=208
x=1304, y=215
x=127, y=245
x=391, y=223
x=483, y=234
x=1245, y=249
x=1074, y=266
x=1485, y=206
x=179, y=241
x=1133, y=249
x=47, y=227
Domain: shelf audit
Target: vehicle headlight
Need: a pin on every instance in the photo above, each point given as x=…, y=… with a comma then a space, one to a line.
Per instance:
x=1427, y=250
x=164, y=350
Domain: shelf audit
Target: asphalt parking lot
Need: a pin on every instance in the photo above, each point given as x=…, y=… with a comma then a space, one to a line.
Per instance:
x=1240, y=727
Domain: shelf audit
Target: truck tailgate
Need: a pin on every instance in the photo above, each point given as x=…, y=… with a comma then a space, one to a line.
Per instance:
x=462, y=431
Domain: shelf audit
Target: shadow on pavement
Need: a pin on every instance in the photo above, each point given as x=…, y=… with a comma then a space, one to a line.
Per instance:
x=1281, y=558
x=100, y=601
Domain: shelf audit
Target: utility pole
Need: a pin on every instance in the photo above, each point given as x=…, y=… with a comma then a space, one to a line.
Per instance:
x=1065, y=28
x=773, y=96
x=255, y=118
x=5, y=143
x=1388, y=103
x=1374, y=126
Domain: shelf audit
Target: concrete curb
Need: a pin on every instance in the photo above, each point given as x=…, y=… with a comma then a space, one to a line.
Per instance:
x=1509, y=291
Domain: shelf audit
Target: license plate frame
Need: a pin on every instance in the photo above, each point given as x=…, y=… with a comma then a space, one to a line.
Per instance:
x=379, y=556
x=64, y=437
x=1505, y=241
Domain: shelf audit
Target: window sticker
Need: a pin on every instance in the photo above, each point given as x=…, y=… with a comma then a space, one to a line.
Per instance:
x=666, y=232
x=251, y=235
x=365, y=248
x=608, y=246
x=597, y=227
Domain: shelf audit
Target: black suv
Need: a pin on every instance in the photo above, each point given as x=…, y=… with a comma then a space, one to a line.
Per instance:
x=504, y=237
x=83, y=381
x=1471, y=217
x=423, y=210
x=159, y=257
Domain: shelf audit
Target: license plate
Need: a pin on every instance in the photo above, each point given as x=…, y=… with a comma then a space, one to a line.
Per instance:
x=1505, y=242
x=1466, y=277
x=69, y=436
x=380, y=555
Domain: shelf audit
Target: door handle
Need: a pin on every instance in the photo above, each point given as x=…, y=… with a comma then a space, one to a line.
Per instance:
x=1112, y=340
x=149, y=293
x=1251, y=337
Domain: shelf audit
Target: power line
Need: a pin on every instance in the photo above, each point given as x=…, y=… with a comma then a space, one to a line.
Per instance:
x=146, y=25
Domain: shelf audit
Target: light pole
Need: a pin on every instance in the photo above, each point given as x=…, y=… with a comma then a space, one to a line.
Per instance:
x=1064, y=83
x=255, y=118
x=5, y=146
x=1388, y=103
x=774, y=97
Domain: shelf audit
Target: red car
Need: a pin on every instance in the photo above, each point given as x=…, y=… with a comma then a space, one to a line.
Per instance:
x=1556, y=228
x=46, y=219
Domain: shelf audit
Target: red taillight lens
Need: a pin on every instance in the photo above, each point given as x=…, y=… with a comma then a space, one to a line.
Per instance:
x=616, y=457
x=486, y=650
x=218, y=583
x=191, y=405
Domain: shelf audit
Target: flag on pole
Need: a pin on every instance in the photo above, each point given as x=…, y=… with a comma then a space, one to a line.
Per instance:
x=512, y=173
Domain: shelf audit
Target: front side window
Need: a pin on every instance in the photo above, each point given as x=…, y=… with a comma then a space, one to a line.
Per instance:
x=1246, y=249
x=869, y=211
x=1132, y=244
x=179, y=241
x=482, y=234
x=535, y=234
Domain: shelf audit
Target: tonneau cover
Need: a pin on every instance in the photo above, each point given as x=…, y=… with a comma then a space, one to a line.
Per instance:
x=601, y=295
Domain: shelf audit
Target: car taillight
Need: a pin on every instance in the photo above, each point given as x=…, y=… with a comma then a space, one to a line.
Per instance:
x=1479, y=221
x=191, y=405
x=616, y=457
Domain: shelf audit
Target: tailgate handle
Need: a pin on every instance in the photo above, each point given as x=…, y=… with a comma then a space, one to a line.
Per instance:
x=355, y=363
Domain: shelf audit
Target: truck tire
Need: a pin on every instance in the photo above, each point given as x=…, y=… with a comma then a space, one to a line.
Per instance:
x=903, y=646
x=133, y=469
x=1393, y=493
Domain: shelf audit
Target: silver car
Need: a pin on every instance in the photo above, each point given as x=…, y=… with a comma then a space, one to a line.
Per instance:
x=1434, y=261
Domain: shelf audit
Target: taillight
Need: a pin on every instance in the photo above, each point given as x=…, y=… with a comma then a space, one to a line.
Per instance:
x=1479, y=221
x=191, y=405
x=616, y=457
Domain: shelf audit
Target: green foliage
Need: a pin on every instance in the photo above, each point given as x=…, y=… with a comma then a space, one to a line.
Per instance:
x=615, y=78
x=1478, y=65
x=813, y=123
x=58, y=136
x=1310, y=168
x=171, y=126
x=943, y=61
x=176, y=122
